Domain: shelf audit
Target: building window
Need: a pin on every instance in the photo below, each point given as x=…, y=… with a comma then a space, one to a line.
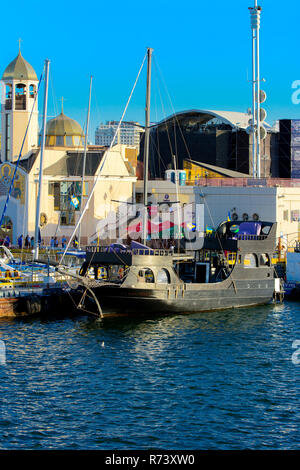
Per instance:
x=295, y=216
x=7, y=137
x=50, y=141
x=67, y=218
x=67, y=199
x=69, y=141
x=59, y=141
x=286, y=215
x=77, y=141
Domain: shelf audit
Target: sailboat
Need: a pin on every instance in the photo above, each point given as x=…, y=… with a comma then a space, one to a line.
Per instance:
x=233, y=268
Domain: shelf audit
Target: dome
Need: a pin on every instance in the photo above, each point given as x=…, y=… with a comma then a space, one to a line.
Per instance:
x=19, y=69
x=63, y=125
x=63, y=131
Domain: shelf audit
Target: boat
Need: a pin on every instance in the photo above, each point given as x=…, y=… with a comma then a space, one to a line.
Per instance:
x=30, y=288
x=233, y=269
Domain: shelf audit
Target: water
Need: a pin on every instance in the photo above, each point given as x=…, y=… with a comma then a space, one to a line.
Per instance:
x=225, y=380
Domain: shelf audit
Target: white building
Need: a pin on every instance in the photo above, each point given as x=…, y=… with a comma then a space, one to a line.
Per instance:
x=110, y=173
x=274, y=203
x=129, y=133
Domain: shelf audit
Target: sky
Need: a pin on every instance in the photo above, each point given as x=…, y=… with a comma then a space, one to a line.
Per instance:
x=201, y=59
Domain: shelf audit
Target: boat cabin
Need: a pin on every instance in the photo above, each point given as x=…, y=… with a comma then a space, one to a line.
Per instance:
x=234, y=245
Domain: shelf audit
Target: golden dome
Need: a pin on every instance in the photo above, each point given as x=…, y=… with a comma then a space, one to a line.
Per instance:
x=19, y=69
x=63, y=131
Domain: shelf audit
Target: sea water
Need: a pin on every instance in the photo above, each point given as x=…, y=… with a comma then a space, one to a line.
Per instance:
x=219, y=380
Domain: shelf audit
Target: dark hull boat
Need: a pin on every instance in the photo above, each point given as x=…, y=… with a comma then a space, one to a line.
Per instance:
x=233, y=269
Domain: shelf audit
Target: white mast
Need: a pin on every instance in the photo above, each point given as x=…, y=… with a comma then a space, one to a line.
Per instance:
x=43, y=138
x=146, y=144
x=84, y=157
x=256, y=92
x=177, y=202
x=253, y=104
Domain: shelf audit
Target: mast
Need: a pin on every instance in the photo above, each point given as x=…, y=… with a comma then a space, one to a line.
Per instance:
x=38, y=202
x=84, y=157
x=253, y=107
x=177, y=203
x=258, y=123
x=146, y=144
x=257, y=133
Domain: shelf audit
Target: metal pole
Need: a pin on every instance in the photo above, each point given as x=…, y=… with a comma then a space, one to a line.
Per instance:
x=84, y=157
x=38, y=202
x=177, y=203
x=146, y=144
x=257, y=93
x=253, y=107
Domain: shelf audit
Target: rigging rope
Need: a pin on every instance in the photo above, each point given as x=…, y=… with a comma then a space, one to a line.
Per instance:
x=102, y=164
x=189, y=156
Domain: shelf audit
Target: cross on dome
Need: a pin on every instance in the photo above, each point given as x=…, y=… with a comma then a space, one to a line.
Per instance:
x=62, y=99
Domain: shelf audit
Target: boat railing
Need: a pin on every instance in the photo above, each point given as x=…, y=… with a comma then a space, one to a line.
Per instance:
x=129, y=251
x=236, y=237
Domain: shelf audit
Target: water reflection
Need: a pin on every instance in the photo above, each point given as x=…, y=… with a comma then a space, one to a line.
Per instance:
x=230, y=320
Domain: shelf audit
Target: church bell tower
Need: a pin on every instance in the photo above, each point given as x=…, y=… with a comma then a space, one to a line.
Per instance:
x=19, y=88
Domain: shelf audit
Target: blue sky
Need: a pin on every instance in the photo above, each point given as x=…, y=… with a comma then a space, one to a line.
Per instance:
x=202, y=54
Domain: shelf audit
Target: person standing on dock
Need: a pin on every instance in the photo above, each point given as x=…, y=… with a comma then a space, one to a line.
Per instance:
x=63, y=242
x=32, y=242
x=6, y=241
x=27, y=242
x=20, y=242
x=52, y=243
